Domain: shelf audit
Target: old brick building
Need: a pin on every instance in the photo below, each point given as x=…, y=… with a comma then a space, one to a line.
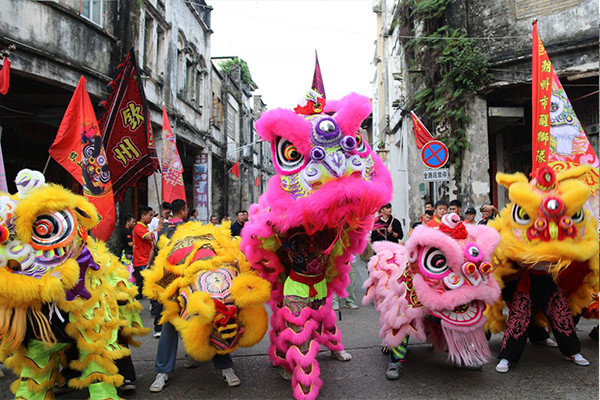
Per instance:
x=499, y=134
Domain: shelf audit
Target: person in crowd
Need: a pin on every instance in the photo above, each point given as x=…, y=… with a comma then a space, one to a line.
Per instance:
x=440, y=209
x=470, y=216
x=193, y=215
x=240, y=219
x=143, y=242
x=387, y=227
x=455, y=206
x=427, y=216
x=488, y=212
x=214, y=220
x=168, y=342
x=127, y=237
x=429, y=205
x=225, y=219
x=157, y=222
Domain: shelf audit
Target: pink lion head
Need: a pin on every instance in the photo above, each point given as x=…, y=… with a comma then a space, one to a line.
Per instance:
x=326, y=170
x=443, y=272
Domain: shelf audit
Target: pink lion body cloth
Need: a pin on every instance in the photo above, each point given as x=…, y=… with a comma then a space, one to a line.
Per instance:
x=436, y=288
x=314, y=217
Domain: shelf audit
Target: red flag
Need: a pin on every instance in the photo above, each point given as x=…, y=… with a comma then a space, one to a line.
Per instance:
x=257, y=181
x=127, y=130
x=78, y=149
x=236, y=169
x=421, y=133
x=541, y=90
x=317, y=83
x=5, y=76
x=172, y=169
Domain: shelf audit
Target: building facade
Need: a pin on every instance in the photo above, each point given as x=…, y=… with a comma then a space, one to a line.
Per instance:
x=499, y=131
x=211, y=112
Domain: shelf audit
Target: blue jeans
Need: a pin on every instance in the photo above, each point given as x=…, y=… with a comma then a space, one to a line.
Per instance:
x=167, y=352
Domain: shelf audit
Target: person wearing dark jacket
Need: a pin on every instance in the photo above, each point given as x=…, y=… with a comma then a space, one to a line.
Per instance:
x=386, y=227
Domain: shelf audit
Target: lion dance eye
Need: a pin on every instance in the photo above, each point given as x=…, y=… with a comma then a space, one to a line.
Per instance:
x=434, y=262
x=53, y=230
x=360, y=144
x=578, y=216
x=287, y=155
x=520, y=216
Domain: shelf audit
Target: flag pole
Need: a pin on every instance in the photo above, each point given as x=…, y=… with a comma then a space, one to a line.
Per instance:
x=157, y=192
x=46, y=166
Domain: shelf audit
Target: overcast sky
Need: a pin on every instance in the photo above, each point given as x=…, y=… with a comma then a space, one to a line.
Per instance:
x=278, y=39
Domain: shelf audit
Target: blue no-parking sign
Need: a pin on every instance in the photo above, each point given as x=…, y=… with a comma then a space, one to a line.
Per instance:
x=434, y=154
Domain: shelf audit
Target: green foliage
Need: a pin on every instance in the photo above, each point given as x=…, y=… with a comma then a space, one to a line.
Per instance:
x=229, y=65
x=451, y=68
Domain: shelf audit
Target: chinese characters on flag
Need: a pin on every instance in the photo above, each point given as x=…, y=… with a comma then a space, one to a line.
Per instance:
x=127, y=130
x=541, y=89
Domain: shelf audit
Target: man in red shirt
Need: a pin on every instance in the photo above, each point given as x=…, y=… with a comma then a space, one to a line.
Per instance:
x=440, y=209
x=143, y=242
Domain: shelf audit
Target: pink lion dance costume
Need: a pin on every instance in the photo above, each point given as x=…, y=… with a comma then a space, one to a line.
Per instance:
x=436, y=288
x=315, y=215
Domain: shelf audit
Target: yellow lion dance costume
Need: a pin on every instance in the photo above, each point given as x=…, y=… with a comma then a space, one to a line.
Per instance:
x=60, y=288
x=208, y=291
x=549, y=244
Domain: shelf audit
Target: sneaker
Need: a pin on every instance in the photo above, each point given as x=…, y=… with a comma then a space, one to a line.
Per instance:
x=156, y=334
x=335, y=307
x=578, y=359
x=190, y=362
x=127, y=385
x=230, y=377
x=502, y=366
x=393, y=371
x=351, y=306
x=162, y=380
x=341, y=355
x=548, y=342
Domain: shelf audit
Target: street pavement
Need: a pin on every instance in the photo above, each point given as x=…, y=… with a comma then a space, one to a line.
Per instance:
x=541, y=374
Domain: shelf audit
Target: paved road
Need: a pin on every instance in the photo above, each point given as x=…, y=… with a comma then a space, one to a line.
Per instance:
x=541, y=374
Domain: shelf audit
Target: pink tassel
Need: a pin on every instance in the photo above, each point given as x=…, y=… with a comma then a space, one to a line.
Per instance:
x=467, y=347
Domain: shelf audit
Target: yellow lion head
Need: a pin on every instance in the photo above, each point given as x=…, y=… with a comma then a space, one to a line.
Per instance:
x=547, y=225
x=208, y=290
x=547, y=220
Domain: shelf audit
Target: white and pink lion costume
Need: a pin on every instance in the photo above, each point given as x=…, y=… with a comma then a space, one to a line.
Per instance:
x=306, y=228
x=436, y=287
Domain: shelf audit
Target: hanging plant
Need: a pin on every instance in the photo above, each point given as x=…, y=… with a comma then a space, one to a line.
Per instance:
x=449, y=68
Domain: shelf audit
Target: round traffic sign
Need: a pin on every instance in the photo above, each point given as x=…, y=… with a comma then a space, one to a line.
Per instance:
x=434, y=154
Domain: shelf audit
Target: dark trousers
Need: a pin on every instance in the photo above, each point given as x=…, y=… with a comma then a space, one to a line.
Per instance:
x=157, y=310
x=139, y=279
x=546, y=297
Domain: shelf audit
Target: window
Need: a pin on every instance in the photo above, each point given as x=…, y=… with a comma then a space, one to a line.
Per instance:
x=92, y=10
x=160, y=52
x=149, y=43
x=217, y=111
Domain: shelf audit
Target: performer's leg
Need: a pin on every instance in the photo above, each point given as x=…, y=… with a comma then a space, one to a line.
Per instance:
x=38, y=377
x=167, y=349
x=520, y=317
x=329, y=335
x=302, y=348
x=396, y=357
x=561, y=321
